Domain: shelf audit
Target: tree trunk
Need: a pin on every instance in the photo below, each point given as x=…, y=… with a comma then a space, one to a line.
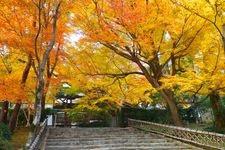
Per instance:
x=4, y=112
x=40, y=90
x=167, y=94
x=44, y=98
x=37, y=117
x=43, y=107
x=169, y=98
x=38, y=99
x=218, y=113
x=13, y=118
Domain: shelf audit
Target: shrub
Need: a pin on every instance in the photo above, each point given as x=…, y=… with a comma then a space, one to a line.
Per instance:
x=4, y=132
x=5, y=145
x=5, y=135
x=212, y=128
x=153, y=115
x=85, y=117
x=47, y=111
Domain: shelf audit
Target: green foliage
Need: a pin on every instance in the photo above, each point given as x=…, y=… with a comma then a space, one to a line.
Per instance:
x=96, y=105
x=212, y=128
x=223, y=102
x=21, y=117
x=157, y=98
x=47, y=111
x=153, y=115
x=4, y=132
x=69, y=93
x=76, y=115
x=5, y=145
x=188, y=115
x=157, y=115
x=5, y=135
x=84, y=116
x=21, y=121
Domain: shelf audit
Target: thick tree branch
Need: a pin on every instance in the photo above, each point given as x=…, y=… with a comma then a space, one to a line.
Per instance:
x=52, y=42
x=113, y=75
x=117, y=51
x=26, y=69
x=55, y=61
x=34, y=67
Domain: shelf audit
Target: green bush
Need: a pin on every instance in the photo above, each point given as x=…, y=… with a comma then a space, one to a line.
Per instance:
x=4, y=132
x=153, y=115
x=83, y=117
x=21, y=121
x=5, y=135
x=5, y=145
x=212, y=128
x=188, y=115
x=47, y=111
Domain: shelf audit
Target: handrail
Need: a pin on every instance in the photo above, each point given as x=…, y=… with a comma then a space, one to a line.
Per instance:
x=202, y=138
x=36, y=141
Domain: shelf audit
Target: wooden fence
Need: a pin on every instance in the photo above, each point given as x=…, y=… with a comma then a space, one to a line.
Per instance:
x=205, y=139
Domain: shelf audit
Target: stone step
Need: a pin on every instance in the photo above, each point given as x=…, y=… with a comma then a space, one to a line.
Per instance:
x=157, y=142
x=117, y=140
x=99, y=130
x=108, y=139
x=67, y=134
x=112, y=144
x=89, y=130
x=94, y=128
x=62, y=136
x=120, y=148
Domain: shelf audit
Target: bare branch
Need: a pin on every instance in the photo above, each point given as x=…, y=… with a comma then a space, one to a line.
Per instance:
x=113, y=75
x=34, y=67
x=38, y=31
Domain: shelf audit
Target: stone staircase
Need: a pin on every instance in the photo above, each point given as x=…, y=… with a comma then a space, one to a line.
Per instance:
x=108, y=139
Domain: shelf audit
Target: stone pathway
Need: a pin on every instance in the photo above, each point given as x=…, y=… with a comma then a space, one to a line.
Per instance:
x=109, y=139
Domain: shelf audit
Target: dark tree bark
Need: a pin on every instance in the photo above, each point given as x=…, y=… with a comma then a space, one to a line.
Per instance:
x=14, y=116
x=169, y=99
x=167, y=94
x=4, y=112
x=219, y=115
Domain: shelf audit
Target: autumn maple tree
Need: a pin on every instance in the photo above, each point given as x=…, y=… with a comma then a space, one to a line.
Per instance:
x=107, y=80
x=152, y=35
x=30, y=27
x=112, y=74
x=205, y=71
x=47, y=41
x=126, y=51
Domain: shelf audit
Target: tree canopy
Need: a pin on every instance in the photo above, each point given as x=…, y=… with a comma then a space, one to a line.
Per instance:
x=115, y=52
